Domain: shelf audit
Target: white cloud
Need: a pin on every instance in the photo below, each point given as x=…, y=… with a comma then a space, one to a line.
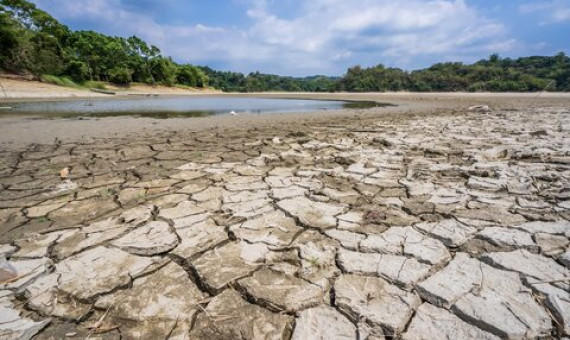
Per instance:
x=549, y=12
x=326, y=38
x=329, y=31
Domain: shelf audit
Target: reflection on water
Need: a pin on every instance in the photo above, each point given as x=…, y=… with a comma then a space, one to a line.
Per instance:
x=178, y=107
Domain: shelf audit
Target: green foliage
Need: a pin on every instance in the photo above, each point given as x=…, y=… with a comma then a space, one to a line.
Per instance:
x=33, y=18
x=375, y=79
x=494, y=74
x=225, y=81
x=78, y=70
x=61, y=81
x=44, y=55
x=192, y=76
x=120, y=75
x=8, y=38
x=32, y=41
x=164, y=70
x=258, y=82
x=90, y=84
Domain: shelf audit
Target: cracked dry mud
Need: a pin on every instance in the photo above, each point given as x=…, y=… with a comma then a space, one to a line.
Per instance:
x=414, y=227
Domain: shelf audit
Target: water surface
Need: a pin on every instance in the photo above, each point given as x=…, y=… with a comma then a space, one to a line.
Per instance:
x=177, y=107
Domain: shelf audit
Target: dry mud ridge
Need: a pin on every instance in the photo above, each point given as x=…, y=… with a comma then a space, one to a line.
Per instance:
x=412, y=227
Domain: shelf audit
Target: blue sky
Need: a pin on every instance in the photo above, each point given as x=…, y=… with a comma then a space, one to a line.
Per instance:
x=308, y=37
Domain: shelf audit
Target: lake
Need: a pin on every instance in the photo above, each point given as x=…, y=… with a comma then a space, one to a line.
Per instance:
x=177, y=107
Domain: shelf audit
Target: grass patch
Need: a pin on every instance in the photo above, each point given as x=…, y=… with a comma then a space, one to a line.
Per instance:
x=314, y=262
x=184, y=87
x=107, y=193
x=60, y=81
x=91, y=84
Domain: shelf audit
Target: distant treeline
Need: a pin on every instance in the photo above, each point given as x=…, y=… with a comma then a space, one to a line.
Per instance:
x=494, y=74
x=259, y=82
x=32, y=41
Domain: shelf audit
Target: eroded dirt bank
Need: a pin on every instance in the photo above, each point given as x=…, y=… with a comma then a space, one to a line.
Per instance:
x=421, y=221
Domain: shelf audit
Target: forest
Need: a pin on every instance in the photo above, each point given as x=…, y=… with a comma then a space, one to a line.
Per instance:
x=32, y=42
x=494, y=74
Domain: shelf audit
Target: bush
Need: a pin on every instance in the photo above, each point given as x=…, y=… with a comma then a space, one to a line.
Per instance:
x=120, y=75
x=78, y=71
x=95, y=85
x=421, y=86
x=477, y=87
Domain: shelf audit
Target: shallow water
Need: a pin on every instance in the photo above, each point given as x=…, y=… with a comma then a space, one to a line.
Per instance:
x=178, y=107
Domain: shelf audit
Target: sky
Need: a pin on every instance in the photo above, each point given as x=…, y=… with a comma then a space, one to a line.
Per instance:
x=310, y=37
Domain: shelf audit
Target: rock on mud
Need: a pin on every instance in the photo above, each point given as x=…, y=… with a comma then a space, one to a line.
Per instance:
x=313, y=214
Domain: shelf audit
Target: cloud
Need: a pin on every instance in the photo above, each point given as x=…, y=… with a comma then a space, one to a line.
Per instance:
x=330, y=31
x=322, y=37
x=549, y=12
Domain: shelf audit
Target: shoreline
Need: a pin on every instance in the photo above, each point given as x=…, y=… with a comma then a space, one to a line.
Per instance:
x=32, y=90
x=17, y=131
x=25, y=90
x=85, y=95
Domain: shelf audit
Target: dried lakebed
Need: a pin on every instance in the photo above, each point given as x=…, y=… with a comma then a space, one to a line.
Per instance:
x=414, y=227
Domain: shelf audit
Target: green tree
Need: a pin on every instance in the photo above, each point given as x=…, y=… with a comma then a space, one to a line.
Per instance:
x=8, y=38
x=141, y=57
x=164, y=70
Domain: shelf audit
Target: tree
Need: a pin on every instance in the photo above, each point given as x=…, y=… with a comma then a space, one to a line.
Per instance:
x=142, y=56
x=8, y=37
x=164, y=70
x=190, y=75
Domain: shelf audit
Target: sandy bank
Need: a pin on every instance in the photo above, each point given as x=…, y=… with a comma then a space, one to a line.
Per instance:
x=17, y=90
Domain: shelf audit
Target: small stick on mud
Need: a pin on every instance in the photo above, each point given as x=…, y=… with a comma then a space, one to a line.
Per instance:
x=541, y=92
x=4, y=91
x=553, y=281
